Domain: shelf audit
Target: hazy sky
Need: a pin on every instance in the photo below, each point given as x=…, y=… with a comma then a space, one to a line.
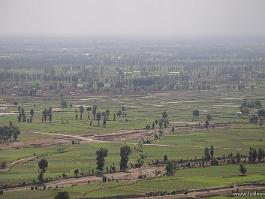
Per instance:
x=148, y=18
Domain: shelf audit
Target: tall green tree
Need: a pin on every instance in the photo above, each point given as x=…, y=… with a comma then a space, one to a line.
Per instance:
x=31, y=114
x=107, y=114
x=81, y=110
x=98, y=116
x=125, y=151
x=207, y=155
x=212, y=152
x=43, y=164
x=170, y=168
x=101, y=155
x=94, y=111
x=196, y=113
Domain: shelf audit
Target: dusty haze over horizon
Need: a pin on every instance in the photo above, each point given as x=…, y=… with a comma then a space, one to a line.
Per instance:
x=139, y=18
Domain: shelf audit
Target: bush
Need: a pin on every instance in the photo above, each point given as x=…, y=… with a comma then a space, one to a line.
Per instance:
x=242, y=169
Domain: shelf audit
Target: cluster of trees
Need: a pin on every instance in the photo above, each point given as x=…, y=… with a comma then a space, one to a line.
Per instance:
x=256, y=155
x=102, y=153
x=22, y=115
x=253, y=109
x=47, y=114
x=163, y=122
x=9, y=133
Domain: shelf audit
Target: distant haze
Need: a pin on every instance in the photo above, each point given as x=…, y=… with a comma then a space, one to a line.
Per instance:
x=139, y=18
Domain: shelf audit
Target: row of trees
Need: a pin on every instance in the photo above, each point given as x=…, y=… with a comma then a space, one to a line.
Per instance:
x=162, y=122
x=255, y=155
x=22, y=117
x=46, y=115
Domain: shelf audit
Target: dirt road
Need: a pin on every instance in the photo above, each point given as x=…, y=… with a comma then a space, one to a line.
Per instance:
x=131, y=175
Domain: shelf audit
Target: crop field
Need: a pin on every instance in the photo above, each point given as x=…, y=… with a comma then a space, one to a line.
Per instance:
x=46, y=140
x=140, y=110
x=182, y=180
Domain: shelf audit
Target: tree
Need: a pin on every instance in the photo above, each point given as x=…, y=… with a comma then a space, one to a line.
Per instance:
x=98, y=116
x=76, y=172
x=212, y=152
x=44, y=115
x=165, y=158
x=63, y=103
x=49, y=113
x=261, y=155
x=153, y=125
x=196, y=113
x=261, y=113
x=9, y=133
x=123, y=108
x=3, y=165
x=107, y=114
x=81, y=110
x=254, y=119
x=43, y=164
x=242, y=169
x=207, y=155
x=164, y=116
x=125, y=151
x=31, y=114
x=252, y=155
x=238, y=158
x=101, y=154
x=94, y=111
x=88, y=109
x=62, y=195
x=209, y=117
x=170, y=168
x=160, y=123
x=207, y=124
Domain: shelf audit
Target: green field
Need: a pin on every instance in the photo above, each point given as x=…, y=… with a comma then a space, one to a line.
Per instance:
x=176, y=146
x=141, y=110
x=182, y=180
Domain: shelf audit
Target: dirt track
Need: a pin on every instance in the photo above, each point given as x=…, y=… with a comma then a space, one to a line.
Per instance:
x=131, y=175
x=60, y=138
x=17, y=162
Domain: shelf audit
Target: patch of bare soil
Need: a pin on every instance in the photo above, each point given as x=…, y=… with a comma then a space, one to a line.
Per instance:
x=22, y=160
x=126, y=135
